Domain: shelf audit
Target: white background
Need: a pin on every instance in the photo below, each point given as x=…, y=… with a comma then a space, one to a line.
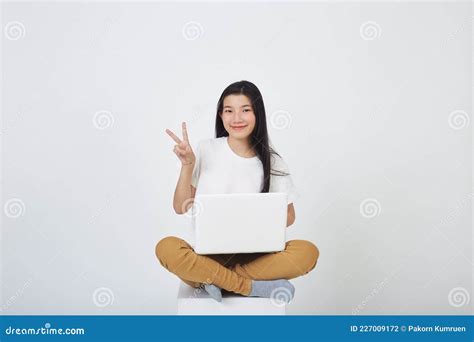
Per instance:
x=366, y=119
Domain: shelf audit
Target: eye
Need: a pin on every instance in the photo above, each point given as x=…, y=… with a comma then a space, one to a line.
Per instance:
x=227, y=111
x=247, y=110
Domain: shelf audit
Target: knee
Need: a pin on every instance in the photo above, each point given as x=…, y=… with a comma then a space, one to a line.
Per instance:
x=166, y=250
x=313, y=255
x=309, y=254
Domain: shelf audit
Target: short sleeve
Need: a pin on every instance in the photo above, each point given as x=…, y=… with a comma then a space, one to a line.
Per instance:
x=197, y=166
x=282, y=183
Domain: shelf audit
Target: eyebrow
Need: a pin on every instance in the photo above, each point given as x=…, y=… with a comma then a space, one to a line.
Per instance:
x=240, y=107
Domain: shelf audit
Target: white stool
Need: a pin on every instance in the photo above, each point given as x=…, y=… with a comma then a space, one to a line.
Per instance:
x=196, y=301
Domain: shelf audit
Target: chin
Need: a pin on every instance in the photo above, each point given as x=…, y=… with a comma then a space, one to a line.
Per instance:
x=239, y=135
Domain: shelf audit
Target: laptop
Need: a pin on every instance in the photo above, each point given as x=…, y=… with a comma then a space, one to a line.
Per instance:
x=240, y=222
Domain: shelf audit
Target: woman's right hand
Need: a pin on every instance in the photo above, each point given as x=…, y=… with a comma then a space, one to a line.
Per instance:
x=182, y=148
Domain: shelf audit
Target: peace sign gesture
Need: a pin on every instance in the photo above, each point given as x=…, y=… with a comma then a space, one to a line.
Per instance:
x=182, y=148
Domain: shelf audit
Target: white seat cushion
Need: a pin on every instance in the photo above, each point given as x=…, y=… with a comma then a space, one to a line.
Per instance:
x=196, y=301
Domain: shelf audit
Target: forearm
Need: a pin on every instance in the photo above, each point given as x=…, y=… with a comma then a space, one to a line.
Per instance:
x=289, y=221
x=183, y=189
x=290, y=217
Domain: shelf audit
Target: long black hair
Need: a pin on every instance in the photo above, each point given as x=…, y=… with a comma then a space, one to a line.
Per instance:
x=259, y=138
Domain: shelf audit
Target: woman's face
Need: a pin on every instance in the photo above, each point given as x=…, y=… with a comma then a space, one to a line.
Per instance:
x=238, y=116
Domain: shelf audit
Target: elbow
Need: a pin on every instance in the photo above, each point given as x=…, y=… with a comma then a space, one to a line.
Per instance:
x=184, y=207
x=290, y=217
x=178, y=210
x=290, y=221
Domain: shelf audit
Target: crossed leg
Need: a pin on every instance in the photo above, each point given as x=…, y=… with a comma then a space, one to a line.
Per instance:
x=234, y=272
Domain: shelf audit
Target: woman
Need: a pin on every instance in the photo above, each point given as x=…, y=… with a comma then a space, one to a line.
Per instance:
x=239, y=159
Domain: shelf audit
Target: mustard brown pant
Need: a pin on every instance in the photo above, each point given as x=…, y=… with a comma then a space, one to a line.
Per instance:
x=235, y=272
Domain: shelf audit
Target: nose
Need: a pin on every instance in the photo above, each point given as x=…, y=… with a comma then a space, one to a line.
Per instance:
x=236, y=118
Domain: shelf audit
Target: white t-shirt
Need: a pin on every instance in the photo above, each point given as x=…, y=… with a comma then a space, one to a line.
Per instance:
x=219, y=170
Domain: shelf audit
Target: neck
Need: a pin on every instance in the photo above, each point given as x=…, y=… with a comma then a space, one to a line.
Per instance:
x=242, y=147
